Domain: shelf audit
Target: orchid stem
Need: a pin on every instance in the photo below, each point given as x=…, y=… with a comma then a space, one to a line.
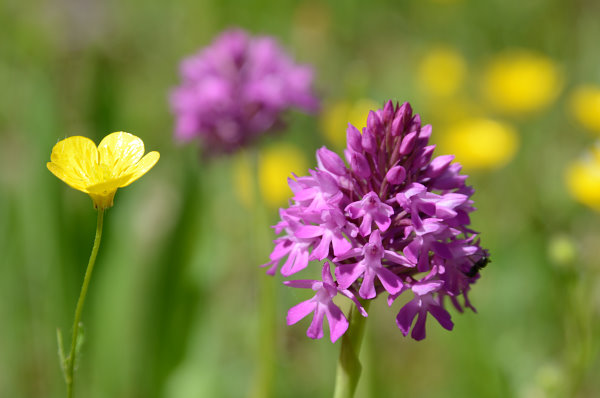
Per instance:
x=69, y=364
x=349, y=367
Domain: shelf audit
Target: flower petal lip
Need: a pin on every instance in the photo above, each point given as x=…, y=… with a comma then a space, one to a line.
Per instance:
x=100, y=171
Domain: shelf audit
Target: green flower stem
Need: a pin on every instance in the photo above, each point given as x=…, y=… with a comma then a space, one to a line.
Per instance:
x=70, y=362
x=349, y=367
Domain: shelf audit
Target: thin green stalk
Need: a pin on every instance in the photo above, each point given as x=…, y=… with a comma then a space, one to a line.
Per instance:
x=70, y=361
x=349, y=367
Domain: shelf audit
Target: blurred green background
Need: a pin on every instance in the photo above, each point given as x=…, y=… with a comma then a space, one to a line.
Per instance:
x=173, y=307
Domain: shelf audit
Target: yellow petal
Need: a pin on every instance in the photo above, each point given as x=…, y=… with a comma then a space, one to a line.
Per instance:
x=106, y=187
x=74, y=160
x=119, y=151
x=141, y=167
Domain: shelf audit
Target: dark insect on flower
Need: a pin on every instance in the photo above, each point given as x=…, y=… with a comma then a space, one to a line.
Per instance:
x=477, y=266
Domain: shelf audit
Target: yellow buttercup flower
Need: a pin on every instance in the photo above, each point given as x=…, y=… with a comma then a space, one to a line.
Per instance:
x=277, y=163
x=480, y=143
x=583, y=179
x=99, y=171
x=336, y=116
x=519, y=82
x=585, y=106
x=441, y=73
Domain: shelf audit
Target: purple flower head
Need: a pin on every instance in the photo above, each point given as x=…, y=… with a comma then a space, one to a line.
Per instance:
x=236, y=89
x=393, y=219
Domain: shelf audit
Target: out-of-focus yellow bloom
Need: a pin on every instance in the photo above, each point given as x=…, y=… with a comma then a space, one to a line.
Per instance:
x=336, y=116
x=441, y=73
x=585, y=106
x=519, y=82
x=100, y=171
x=583, y=179
x=480, y=143
x=276, y=164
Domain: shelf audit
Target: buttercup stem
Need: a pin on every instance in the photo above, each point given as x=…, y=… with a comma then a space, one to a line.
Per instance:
x=349, y=367
x=86, y=281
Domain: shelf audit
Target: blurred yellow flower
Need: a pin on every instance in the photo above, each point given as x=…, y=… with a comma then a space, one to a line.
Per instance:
x=277, y=163
x=519, y=82
x=585, y=106
x=336, y=116
x=583, y=179
x=100, y=171
x=441, y=73
x=480, y=143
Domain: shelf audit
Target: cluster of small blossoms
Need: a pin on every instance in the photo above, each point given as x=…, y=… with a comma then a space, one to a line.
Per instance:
x=393, y=221
x=236, y=89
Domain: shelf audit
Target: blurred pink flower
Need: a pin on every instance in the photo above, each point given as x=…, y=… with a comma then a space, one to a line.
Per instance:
x=236, y=89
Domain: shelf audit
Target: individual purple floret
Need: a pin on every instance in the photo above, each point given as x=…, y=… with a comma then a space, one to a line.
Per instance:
x=371, y=209
x=424, y=302
x=236, y=89
x=369, y=267
x=390, y=220
x=322, y=306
